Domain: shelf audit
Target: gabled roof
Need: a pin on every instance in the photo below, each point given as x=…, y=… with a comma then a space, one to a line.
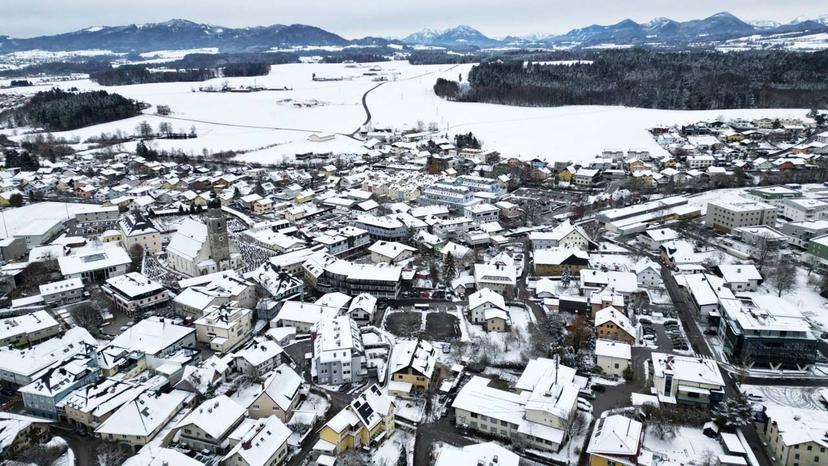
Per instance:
x=215, y=416
x=616, y=435
x=282, y=386
x=418, y=355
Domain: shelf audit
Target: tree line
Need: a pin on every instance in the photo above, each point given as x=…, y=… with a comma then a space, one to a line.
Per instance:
x=59, y=110
x=139, y=74
x=651, y=79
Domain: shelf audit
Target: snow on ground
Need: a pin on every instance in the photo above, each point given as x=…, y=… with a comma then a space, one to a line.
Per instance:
x=689, y=446
x=795, y=397
x=315, y=403
x=502, y=347
x=805, y=298
x=561, y=133
x=412, y=410
x=613, y=262
x=389, y=452
x=257, y=122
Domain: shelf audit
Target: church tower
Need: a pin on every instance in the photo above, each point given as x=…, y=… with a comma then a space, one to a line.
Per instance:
x=217, y=234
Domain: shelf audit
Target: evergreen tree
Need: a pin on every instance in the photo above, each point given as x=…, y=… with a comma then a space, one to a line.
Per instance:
x=733, y=412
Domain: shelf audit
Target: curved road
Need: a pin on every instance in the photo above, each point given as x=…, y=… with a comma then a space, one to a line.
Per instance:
x=365, y=95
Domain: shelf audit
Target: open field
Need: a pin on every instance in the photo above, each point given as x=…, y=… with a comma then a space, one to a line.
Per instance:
x=269, y=130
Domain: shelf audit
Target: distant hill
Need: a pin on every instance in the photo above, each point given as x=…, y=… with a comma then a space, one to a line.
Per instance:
x=181, y=34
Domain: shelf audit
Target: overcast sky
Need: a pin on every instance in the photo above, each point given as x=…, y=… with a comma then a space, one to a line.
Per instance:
x=357, y=18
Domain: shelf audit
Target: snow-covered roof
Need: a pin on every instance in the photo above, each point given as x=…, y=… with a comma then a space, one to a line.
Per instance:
x=336, y=339
x=615, y=435
x=739, y=273
x=610, y=314
x=30, y=361
x=298, y=311
x=61, y=286
x=37, y=321
x=145, y=415
x=188, y=238
x=687, y=369
x=215, y=416
x=489, y=453
x=484, y=296
x=613, y=349
x=264, y=438
x=390, y=249
x=152, y=336
x=93, y=259
x=418, y=355
x=799, y=425
x=152, y=455
x=134, y=284
x=282, y=386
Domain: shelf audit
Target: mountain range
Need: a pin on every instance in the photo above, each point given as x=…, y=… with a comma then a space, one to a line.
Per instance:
x=180, y=34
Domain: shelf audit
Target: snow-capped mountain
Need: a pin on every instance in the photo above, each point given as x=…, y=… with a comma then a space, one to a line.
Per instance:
x=457, y=36
x=177, y=34
x=180, y=34
x=822, y=19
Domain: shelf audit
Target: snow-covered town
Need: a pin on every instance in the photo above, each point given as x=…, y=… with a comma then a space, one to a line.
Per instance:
x=339, y=263
x=336, y=309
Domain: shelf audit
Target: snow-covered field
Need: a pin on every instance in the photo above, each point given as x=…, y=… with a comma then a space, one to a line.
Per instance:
x=269, y=131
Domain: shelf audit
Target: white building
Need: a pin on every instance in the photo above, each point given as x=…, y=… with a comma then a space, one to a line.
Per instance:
x=741, y=277
x=224, y=327
x=687, y=379
x=613, y=357
x=26, y=329
x=564, y=235
x=134, y=292
x=534, y=414
x=258, y=357
x=191, y=249
x=648, y=274
x=482, y=213
x=338, y=352
x=94, y=265
x=803, y=210
x=726, y=215
x=484, y=300
x=62, y=292
x=137, y=230
x=362, y=308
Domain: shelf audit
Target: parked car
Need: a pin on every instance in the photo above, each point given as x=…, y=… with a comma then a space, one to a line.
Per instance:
x=599, y=388
x=586, y=395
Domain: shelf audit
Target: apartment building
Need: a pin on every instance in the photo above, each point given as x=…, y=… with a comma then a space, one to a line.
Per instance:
x=338, y=352
x=727, y=215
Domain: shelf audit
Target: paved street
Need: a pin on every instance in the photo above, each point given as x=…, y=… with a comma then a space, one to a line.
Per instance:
x=699, y=345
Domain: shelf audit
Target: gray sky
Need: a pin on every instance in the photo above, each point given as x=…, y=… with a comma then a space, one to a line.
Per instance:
x=357, y=18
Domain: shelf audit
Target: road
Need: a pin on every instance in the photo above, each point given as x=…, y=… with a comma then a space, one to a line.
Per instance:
x=365, y=106
x=697, y=341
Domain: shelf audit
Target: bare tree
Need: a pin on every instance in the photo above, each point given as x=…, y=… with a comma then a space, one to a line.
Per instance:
x=783, y=275
x=764, y=250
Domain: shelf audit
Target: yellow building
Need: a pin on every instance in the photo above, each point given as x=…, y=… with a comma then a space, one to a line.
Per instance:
x=616, y=440
x=368, y=419
x=413, y=362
